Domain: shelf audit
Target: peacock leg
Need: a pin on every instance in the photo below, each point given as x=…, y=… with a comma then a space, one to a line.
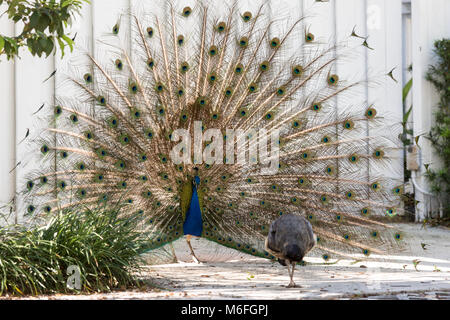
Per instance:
x=175, y=259
x=194, y=257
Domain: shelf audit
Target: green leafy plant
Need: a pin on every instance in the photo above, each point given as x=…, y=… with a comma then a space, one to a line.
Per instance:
x=44, y=25
x=404, y=136
x=407, y=139
x=104, y=245
x=439, y=76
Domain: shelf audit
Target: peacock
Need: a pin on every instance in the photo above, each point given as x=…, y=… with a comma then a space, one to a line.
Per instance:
x=211, y=126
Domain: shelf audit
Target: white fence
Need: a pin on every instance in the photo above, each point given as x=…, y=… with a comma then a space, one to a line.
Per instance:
x=22, y=90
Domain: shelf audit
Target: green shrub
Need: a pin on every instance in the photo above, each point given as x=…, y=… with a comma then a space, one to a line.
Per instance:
x=439, y=76
x=45, y=24
x=104, y=245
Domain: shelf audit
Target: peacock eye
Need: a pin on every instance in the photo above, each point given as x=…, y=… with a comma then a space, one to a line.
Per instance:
x=297, y=71
x=280, y=91
x=119, y=64
x=247, y=16
x=187, y=12
x=213, y=51
x=348, y=124
x=74, y=118
x=333, y=79
x=101, y=100
x=58, y=110
x=184, y=67
x=274, y=43
x=309, y=37
x=371, y=113
x=221, y=27
x=159, y=87
x=88, y=78
x=264, y=66
x=115, y=29
x=150, y=32
x=30, y=185
x=243, y=42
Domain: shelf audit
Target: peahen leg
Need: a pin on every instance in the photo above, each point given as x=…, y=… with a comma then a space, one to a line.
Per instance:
x=194, y=257
x=291, y=274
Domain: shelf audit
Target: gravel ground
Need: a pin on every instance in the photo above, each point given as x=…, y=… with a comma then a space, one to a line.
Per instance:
x=234, y=275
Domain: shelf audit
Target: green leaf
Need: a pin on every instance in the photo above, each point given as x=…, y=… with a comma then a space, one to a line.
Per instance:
x=406, y=89
x=69, y=42
x=34, y=20
x=2, y=42
x=406, y=115
x=43, y=23
x=61, y=46
x=49, y=46
x=66, y=3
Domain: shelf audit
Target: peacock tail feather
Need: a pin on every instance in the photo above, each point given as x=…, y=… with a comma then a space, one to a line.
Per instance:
x=111, y=142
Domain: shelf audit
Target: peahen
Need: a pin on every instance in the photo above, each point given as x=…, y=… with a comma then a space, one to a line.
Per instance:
x=207, y=126
x=290, y=238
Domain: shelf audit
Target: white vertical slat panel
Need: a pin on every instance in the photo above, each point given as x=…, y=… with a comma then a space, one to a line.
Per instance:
x=7, y=120
x=30, y=93
x=81, y=28
x=320, y=20
x=429, y=23
x=286, y=13
x=384, y=27
x=352, y=60
x=106, y=14
x=393, y=53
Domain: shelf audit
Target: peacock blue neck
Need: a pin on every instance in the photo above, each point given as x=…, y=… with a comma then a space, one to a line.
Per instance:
x=193, y=224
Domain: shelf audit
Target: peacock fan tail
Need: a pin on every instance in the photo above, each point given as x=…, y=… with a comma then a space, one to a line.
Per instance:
x=113, y=140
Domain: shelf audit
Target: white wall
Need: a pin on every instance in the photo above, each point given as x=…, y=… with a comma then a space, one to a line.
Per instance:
x=22, y=90
x=7, y=120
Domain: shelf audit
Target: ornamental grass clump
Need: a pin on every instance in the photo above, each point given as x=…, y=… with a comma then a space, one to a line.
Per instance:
x=102, y=244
